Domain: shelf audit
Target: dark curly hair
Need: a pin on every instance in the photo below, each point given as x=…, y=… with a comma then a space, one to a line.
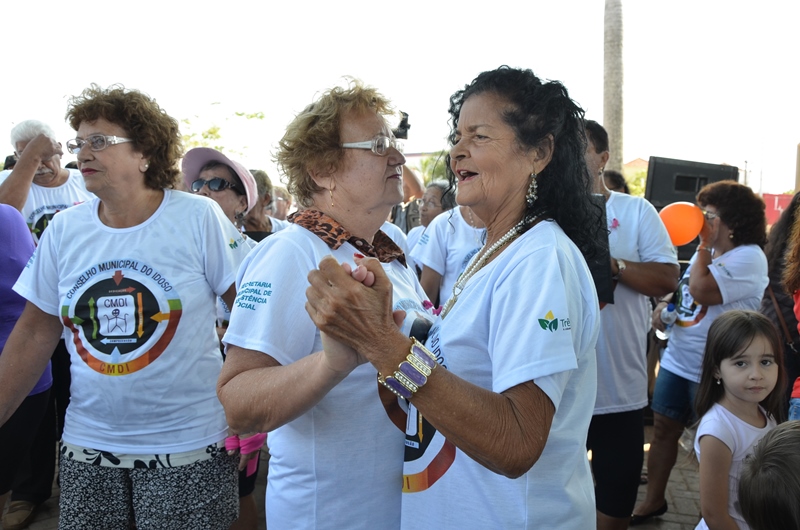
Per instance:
x=538, y=110
x=739, y=208
x=154, y=133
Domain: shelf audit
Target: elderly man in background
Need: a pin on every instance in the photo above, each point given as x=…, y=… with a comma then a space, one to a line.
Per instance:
x=644, y=263
x=39, y=188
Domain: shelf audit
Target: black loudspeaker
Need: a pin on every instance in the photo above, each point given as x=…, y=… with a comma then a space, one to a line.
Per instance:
x=670, y=180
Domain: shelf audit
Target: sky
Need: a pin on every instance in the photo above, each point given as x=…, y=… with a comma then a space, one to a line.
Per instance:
x=704, y=80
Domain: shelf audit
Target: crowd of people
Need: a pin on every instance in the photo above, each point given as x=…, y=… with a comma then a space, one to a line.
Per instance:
x=410, y=356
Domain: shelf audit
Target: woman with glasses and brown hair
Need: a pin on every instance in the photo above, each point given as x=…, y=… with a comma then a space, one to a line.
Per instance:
x=336, y=456
x=131, y=279
x=728, y=271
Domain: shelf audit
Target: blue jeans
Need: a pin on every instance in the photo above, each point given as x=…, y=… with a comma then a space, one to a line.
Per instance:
x=794, y=409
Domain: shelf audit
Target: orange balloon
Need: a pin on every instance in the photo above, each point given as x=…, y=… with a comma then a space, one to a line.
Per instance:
x=683, y=220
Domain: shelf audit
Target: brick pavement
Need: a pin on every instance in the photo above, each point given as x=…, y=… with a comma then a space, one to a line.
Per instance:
x=683, y=497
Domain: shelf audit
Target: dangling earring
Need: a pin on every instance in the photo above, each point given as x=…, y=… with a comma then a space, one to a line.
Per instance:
x=719, y=381
x=330, y=190
x=531, y=196
x=730, y=236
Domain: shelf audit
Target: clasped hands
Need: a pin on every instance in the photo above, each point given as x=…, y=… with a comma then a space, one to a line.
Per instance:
x=352, y=308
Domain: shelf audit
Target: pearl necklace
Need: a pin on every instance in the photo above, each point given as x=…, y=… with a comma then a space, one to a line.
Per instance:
x=475, y=230
x=480, y=260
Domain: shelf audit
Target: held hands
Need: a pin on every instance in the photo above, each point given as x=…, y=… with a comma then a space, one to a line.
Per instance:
x=340, y=358
x=352, y=307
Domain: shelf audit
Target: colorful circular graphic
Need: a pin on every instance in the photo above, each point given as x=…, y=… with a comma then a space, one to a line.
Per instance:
x=115, y=318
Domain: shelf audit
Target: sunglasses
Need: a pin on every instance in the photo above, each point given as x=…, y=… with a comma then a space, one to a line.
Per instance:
x=215, y=184
x=710, y=215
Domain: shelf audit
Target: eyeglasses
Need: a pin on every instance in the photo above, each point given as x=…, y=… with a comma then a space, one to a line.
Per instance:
x=430, y=203
x=710, y=215
x=378, y=145
x=215, y=184
x=97, y=142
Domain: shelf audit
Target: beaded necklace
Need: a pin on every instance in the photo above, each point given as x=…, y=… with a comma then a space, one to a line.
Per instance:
x=476, y=232
x=480, y=260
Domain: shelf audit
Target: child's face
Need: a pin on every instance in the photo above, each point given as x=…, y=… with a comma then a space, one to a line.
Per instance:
x=750, y=375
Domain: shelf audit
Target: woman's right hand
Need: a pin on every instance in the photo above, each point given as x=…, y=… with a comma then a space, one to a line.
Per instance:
x=656, y=319
x=340, y=358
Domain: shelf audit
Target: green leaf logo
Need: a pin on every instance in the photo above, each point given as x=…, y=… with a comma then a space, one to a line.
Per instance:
x=549, y=322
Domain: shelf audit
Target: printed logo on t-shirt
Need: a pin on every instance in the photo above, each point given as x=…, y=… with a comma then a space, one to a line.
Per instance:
x=40, y=218
x=233, y=243
x=468, y=258
x=122, y=314
x=551, y=323
x=423, y=240
x=689, y=312
x=428, y=454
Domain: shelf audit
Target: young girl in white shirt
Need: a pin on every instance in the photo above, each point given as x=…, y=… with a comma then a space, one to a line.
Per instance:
x=739, y=400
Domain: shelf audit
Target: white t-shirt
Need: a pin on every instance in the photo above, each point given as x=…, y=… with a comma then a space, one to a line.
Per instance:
x=278, y=224
x=43, y=203
x=397, y=235
x=340, y=464
x=741, y=274
x=636, y=234
x=738, y=436
x=412, y=238
x=447, y=246
x=529, y=315
x=137, y=305
x=223, y=311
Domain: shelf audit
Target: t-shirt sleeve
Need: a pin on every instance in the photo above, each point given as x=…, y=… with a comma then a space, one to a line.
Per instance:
x=431, y=249
x=530, y=336
x=654, y=243
x=742, y=274
x=225, y=249
x=38, y=282
x=269, y=312
x=713, y=425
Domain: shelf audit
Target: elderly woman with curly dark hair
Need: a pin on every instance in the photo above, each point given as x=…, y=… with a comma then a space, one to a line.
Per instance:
x=496, y=430
x=728, y=271
x=131, y=279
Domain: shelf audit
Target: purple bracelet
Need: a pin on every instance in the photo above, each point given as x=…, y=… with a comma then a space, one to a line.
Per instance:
x=412, y=373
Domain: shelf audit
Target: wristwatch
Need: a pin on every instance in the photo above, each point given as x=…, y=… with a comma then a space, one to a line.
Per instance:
x=621, y=266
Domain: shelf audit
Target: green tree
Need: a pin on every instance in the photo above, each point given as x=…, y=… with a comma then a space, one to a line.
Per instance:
x=210, y=134
x=636, y=179
x=434, y=167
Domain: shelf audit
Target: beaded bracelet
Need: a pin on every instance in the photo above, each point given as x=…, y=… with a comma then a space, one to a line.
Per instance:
x=412, y=373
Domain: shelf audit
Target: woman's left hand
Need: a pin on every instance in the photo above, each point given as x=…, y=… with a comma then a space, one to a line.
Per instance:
x=349, y=311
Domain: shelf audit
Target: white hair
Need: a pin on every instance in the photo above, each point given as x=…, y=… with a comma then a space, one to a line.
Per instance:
x=27, y=130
